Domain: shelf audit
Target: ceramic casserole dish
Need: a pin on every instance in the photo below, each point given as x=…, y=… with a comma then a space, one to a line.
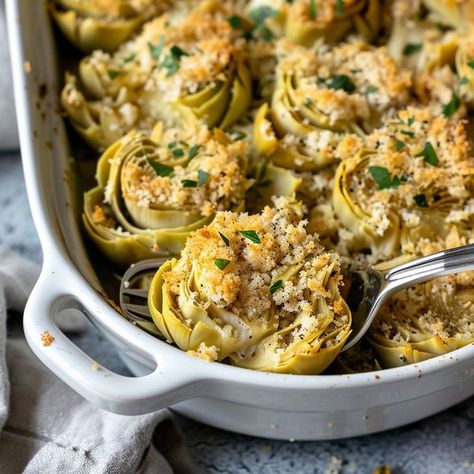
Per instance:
x=245, y=401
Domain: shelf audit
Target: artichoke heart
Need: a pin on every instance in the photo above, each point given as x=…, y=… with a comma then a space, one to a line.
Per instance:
x=152, y=192
x=409, y=187
x=103, y=24
x=465, y=70
x=321, y=96
x=425, y=321
x=309, y=20
x=454, y=13
x=169, y=72
x=255, y=290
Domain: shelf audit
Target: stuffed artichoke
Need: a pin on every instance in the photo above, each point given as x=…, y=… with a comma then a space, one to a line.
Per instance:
x=425, y=321
x=309, y=20
x=257, y=290
x=103, y=24
x=170, y=72
x=320, y=96
x=409, y=187
x=152, y=192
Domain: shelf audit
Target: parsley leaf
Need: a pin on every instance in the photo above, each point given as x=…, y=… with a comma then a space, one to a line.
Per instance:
x=129, y=59
x=340, y=7
x=160, y=169
x=408, y=133
x=221, y=263
x=451, y=106
x=224, y=238
x=251, y=235
x=276, y=286
x=399, y=145
x=371, y=90
x=113, y=74
x=420, y=200
x=429, y=154
x=312, y=9
x=178, y=152
x=412, y=48
x=471, y=63
x=202, y=177
x=235, y=21
x=171, y=61
x=193, y=151
x=382, y=177
x=307, y=102
x=341, y=81
x=411, y=121
x=155, y=51
x=238, y=136
x=189, y=183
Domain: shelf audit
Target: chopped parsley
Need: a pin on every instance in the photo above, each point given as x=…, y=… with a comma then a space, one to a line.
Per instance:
x=471, y=63
x=340, y=7
x=129, y=59
x=408, y=133
x=238, y=136
x=341, y=81
x=189, y=183
x=307, y=102
x=251, y=235
x=224, y=238
x=202, y=177
x=411, y=121
x=383, y=178
x=172, y=60
x=155, y=51
x=371, y=90
x=178, y=152
x=429, y=154
x=451, y=106
x=399, y=145
x=221, y=263
x=160, y=169
x=411, y=48
x=113, y=74
x=193, y=151
x=463, y=81
x=276, y=286
x=172, y=145
x=235, y=21
x=259, y=16
x=313, y=12
x=420, y=200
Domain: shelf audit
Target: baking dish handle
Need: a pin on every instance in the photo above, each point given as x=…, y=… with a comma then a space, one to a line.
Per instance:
x=113, y=392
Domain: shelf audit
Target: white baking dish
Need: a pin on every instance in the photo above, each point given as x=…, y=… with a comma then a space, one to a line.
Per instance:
x=262, y=404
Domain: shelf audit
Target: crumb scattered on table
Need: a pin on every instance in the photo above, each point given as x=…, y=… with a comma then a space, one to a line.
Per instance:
x=47, y=339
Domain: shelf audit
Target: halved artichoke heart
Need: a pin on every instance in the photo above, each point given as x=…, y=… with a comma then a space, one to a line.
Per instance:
x=309, y=20
x=453, y=13
x=152, y=193
x=255, y=290
x=102, y=24
x=464, y=69
x=321, y=95
x=410, y=189
x=423, y=322
x=170, y=72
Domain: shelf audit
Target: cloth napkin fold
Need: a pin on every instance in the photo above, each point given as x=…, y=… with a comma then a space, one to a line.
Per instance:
x=46, y=427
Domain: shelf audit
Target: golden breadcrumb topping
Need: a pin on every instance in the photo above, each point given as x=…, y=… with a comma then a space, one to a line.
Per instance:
x=324, y=12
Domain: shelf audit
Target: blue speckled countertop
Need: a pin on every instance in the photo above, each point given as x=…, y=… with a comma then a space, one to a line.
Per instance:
x=442, y=444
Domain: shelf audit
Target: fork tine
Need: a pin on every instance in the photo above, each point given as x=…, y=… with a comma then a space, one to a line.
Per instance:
x=137, y=309
x=141, y=293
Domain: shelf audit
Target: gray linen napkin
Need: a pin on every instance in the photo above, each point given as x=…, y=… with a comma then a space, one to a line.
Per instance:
x=46, y=427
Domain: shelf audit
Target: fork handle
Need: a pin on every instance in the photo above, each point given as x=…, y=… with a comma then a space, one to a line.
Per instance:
x=447, y=262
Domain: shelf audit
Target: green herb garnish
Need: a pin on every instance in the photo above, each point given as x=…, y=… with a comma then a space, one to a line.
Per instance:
x=383, y=178
x=420, y=200
x=221, y=263
x=471, y=63
x=312, y=9
x=189, y=183
x=399, y=145
x=463, y=81
x=371, y=90
x=341, y=81
x=113, y=74
x=429, y=154
x=235, y=21
x=276, y=286
x=202, y=177
x=239, y=136
x=155, y=51
x=307, y=102
x=224, y=238
x=411, y=121
x=171, y=61
x=452, y=105
x=411, y=48
x=160, y=169
x=178, y=152
x=193, y=151
x=129, y=59
x=340, y=7
x=408, y=133
x=251, y=235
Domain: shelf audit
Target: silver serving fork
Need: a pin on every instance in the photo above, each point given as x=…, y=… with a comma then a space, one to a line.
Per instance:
x=369, y=288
